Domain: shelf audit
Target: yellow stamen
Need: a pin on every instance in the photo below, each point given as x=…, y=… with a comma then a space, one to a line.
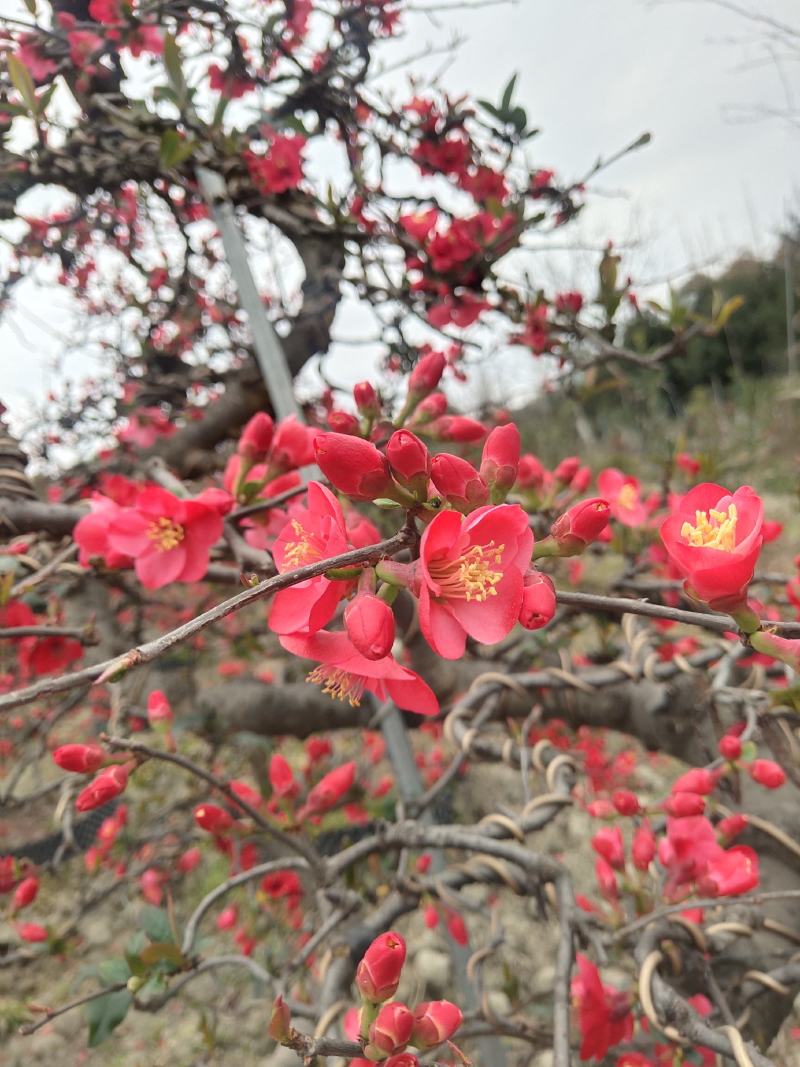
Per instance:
x=628, y=497
x=712, y=529
x=299, y=552
x=469, y=576
x=339, y=684
x=165, y=534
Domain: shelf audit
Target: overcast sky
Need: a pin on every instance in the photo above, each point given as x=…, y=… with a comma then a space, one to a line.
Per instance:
x=593, y=75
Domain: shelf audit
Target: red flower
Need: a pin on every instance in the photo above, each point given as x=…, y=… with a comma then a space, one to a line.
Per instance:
x=604, y=1013
x=292, y=446
x=32, y=932
x=313, y=533
x=344, y=673
x=580, y=525
x=107, y=785
x=370, y=625
x=731, y=872
x=714, y=539
x=622, y=491
x=170, y=539
x=698, y=780
x=212, y=818
x=643, y=846
x=390, y=1031
x=469, y=576
x=254, y=444
x=378, y=973
x=538, y=600
x=281, y=168
x=329, y=790
x=81, y=759
x=281, y=778
x=458, y=482
x=767, y=773
x=500, y=460
x=410, y=462
x=25, y=893
x=608, y=843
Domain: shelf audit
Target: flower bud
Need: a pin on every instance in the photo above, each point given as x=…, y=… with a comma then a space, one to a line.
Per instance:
x=730, y=747
x=500, y=460
x=81, y=759
x=435, y=1021
x=530, y=473
x=292, y=445
x=366, y=400
x=390, y=1031
x=566, y=470
x=643, y=847
x=426, y=375
x=430, y=408
x=107, y=785
x=767, y=773
x=378, y=973
x=698, y=780
x=353, y=466
x=403, y=1059
x=606, y=879
x=25, y=893
x=458, y=482
x=684, y=805
x=280, y=1023
x=580, y=525
x=731, y=826
x=254, y=444
x=213, y=819
x=370, y=625
x=625, y=802
x=538, y=601
x=608, y=843
x=32, y=932
x=329, y=790
x=410, y=462
x=281, y=778
x=344, y=422
x=158, y=709
x=228, y=918
x=582, y=480
x=456, y=428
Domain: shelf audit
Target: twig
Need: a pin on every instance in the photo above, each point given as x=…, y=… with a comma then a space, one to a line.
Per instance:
x=53, y=1013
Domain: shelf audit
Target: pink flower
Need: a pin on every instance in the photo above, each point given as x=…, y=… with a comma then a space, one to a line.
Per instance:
x=622, y=493
x=604, y=1013
x=345, y=674
x=91, y=534
x=313, y=533
x=469, y=576
x=170, y=539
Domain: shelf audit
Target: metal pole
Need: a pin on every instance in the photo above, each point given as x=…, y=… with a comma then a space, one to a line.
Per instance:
x=788, y=277
x=269, y=351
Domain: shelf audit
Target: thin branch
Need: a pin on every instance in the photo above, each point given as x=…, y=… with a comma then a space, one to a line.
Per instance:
x=53, y=1013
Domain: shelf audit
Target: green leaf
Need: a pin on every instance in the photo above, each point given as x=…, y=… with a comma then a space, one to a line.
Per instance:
x=155, y=923
x=114, y=971
x=174, y=68
x=729, y=308
x=508, y=92
x=174, y=149
x=163, y=950
x=487, y=106
x=105, y=1014
x=23, y=83
x=518, y=119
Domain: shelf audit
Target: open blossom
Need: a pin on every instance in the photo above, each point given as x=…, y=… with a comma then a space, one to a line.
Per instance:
x=282, y=166
x=313, y=533
x=169, y=539
x=622, y=491
x=692, y=856
x=604, y=1013
x=714, y=538
x=345, y=674
x=469, y=577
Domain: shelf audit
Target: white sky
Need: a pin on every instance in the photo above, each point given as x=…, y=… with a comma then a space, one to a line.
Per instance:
x=593, y=75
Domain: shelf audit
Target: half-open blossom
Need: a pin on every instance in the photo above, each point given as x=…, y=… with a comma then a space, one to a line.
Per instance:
x=314, y=532
x=622, y=491
x=345, y=674
x=435, y=1021
x=169, y=538
x=714, y=538
x=390, y=1031
x=469, y=577
x=604, y=1013
x=378, y=973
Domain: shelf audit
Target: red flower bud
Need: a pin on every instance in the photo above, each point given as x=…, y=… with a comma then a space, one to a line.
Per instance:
x=566, y=470
x=158, y=708
x=426, y=375
x=280, y=1023
x=390, y=1031
x=189, y=859
x=213, y=819
x=500, y=460
x=767, y=773
x=606, y=879
x=531, y=473
x=254, y=444
x=625, y=802
x=366, y=399
x=32, y=932
x=344, y=422
x=732, y=826
x=353, y=466
x=458, y=482
x=107, y=785
x=25, y=893
x=378, y=973
x=608, y=843
x=435, y=1021
x=410, y=462
x=329, y=790
x=228, y=918
x=580, y=525
x=281, y=778
x=643, y=847
x=684, y=805
x=292, y=445
x=430, y=408
x=698, y=780
x=582, y=480
x=82, y=759
x=730, y=747
x=403, y=1059
x=456, y=428
x=370, y=625
x=538, y=601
